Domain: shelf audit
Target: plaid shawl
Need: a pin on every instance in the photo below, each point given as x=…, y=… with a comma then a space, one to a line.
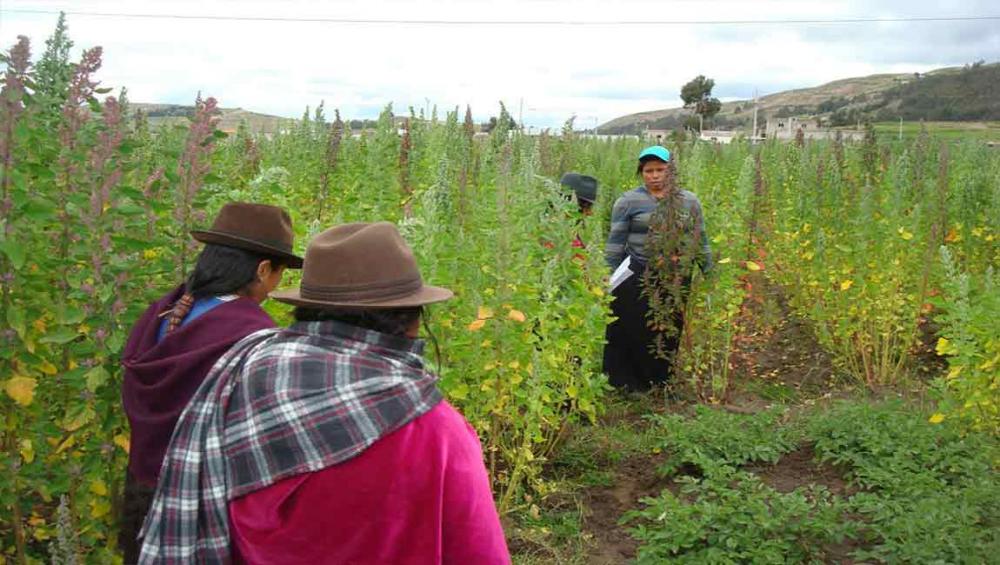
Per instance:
x=280, y=403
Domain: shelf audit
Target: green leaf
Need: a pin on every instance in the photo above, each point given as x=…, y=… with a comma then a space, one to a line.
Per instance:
x=71, y=316
x=42, y=171
x=15, y=317
x=39, y=210
x=131, y=209
x=14, y=252
x=96, y=377
x=60, y=336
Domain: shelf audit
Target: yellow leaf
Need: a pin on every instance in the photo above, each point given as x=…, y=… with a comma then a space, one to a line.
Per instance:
x=484, y=313
x=597, y=291
x=78, y=420
x=150, y=254
x=907, y=236
x=752, y=266
x=122, y=441
x=67, y=443
x=447, y=323
x=516, y=315
x=27, y=451
x=724, y=261
x=98, y=487
x=936, y=418
x=572, y=391
x=48, y=368
x=21, y=389
x=954, y=372
x=846, y=284
x=460, y=392
x=39, y=325
x=99, y=508
x=943, y=346
x=514, y=365
x=36, y=521
x=477, y=325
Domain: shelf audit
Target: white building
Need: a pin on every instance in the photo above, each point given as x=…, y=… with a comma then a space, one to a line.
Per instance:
x=786, y=129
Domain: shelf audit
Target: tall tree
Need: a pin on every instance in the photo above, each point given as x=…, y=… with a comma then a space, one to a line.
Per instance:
x=697, y=94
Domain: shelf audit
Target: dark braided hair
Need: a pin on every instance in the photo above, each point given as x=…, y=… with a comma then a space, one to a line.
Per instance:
x=220, y=270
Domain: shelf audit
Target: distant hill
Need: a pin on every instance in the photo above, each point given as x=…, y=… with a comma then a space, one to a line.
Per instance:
x=954, y=93
x=229, y=118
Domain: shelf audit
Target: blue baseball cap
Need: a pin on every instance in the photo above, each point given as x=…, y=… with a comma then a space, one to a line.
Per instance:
x=658, y=151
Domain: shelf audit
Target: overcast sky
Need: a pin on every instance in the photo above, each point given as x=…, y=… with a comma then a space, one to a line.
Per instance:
x=596, y=72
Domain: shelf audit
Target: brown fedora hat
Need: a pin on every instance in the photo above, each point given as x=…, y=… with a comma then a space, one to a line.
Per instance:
x=361, y=266
x=254, y=227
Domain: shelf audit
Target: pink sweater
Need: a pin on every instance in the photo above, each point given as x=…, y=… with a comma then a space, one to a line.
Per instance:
x=419, y=495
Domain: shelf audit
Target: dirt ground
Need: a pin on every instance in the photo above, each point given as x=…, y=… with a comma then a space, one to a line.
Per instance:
x=778, y=358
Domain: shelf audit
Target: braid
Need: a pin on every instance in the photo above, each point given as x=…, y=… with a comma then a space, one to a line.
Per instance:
x=219, y=270
x=176, y=314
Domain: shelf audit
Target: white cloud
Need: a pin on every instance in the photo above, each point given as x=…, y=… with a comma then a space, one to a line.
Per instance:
x=600, y=71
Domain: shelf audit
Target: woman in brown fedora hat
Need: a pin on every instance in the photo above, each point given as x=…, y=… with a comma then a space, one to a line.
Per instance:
x=180, y=336
x=328, y=441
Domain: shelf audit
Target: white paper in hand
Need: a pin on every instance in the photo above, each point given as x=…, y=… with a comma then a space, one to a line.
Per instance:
x=621, y=274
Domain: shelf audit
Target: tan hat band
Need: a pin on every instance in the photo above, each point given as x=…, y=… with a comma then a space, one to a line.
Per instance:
x=361, y=292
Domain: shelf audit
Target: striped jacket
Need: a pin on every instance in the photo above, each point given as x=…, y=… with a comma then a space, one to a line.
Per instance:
x=630, y=223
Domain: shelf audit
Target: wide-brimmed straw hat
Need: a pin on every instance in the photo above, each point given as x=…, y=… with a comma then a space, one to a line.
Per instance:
x=361, y=266
x=254, y=227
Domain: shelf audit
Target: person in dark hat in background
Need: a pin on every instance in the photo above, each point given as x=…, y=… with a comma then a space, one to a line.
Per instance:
x=180, y=336
x=584, y=189
x=328, y=441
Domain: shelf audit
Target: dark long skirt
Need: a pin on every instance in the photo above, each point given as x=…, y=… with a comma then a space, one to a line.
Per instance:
x=630, y=360
x=136, y=501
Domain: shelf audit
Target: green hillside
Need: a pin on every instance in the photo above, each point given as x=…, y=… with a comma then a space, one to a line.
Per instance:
x=950, y=94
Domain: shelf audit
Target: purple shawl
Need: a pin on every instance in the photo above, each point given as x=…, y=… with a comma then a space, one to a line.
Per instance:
x=160, y=378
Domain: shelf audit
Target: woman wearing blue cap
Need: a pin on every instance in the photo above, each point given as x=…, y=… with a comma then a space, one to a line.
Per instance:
x=660, y=231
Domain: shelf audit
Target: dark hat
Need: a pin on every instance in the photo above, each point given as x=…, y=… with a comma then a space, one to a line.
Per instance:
x=253, y=227
x=361, y=266
x=584, y=186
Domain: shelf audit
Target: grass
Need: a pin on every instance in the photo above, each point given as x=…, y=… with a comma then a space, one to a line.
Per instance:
x=878, y=482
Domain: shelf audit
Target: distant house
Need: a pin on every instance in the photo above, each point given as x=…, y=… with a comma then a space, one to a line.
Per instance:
x=724, y=137
x=786, y=129
x=657, y=135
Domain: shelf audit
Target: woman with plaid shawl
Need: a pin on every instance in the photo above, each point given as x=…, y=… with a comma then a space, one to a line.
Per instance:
x=328, y=441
